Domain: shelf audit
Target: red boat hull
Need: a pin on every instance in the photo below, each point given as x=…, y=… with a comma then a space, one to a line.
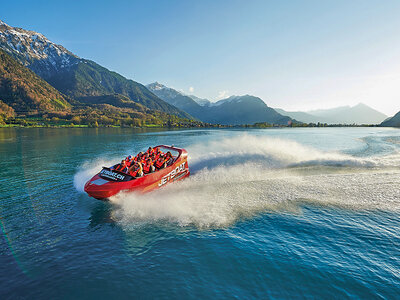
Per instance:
x=100, y=187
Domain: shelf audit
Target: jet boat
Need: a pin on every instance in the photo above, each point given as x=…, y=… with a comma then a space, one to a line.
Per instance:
x=109, y=182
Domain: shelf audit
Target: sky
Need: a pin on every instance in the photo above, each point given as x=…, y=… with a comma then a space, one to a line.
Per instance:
x=295, y=55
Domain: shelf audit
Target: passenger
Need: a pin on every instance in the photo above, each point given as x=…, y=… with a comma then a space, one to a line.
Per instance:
x=169, y=159
x=160, y=162
x=156, y=156
x=122, y=167
x=139, y=156
x=149, y=151
x=164, y=160
x=152, y=167
x=129, y=161
x=148, y=167
x=140, y=170
x=143, y=159
x=136, y=170
x=145, y=167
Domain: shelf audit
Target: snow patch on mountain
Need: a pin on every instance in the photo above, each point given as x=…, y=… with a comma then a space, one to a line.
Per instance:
x=200, y=101
x=35, y=51
x=231, y=99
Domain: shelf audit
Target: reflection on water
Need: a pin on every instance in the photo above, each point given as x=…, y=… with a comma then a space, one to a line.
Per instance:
x=100, y=214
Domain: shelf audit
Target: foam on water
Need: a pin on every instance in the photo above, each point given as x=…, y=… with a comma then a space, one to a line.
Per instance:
x=242, y=176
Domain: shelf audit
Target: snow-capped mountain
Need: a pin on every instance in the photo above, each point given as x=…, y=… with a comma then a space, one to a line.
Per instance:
x=231, y=99
x=35, y=51
x=73, y=76
x=200, y=101
x=176, y=98
x=159, y=88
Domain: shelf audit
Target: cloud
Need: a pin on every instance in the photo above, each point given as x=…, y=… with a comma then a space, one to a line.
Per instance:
x=191, y=89
x=222, y=95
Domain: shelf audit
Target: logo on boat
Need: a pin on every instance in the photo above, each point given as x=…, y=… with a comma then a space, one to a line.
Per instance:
x=112, y=175
x=172, y=174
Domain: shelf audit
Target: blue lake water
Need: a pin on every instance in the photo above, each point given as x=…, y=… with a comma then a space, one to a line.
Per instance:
x=274, y=213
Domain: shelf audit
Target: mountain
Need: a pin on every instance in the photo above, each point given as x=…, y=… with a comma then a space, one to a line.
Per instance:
x=200, y=101
x=245, y=109
x=28, y=100
x=235, y=110
x=34, y=50
x=6, y=111
x=116, y=100
x=393, y=121
x=302, y=116
x=22, y=91
x=177, y=99
x=358, y=114
x=73, y=76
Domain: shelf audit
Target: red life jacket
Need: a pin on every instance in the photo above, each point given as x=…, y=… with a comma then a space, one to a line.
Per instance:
x=160, y=162
x=133, y=173
x=146, y=168
x=137, y=156
x=121, y=168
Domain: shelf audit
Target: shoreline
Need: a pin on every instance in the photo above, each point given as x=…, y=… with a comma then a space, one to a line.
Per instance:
x=216, y=126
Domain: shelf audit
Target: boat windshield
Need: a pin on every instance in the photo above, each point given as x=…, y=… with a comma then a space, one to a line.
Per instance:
x=174, y=153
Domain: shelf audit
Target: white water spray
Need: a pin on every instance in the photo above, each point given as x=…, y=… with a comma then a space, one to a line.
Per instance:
x=242, y=176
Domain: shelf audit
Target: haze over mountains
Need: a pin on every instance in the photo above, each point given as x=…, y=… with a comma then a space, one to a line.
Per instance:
x=358, y=114
x=234, y=110
x=249, y=109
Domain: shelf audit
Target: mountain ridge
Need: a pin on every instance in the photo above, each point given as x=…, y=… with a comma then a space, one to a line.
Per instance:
x=200, y=101
x=34, y=50
x=74, y=76
x=392, y=121
x=234, y=110
x=357, y=114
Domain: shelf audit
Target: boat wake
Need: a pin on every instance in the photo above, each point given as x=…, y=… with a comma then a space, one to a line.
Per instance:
x=250, y=175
